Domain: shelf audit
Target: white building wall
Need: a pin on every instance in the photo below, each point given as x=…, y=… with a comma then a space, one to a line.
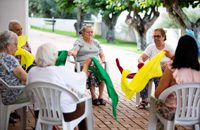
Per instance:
x=14, y=10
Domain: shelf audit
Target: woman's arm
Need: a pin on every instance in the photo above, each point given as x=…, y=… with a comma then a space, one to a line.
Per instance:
x=102, y=57
x=169, y=54
x=143, y=58
x=20, y=73
x=165, y=82
x=73, y=52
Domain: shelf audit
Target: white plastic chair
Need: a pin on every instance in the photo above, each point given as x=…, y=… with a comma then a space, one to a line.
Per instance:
x=5, y=110
x=188, y=107
x=48, y=97
x=78, y=68
x=149, y=93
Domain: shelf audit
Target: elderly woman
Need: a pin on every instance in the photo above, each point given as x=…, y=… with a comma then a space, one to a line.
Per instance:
x=88, y=47
x=11, y=71
x=159, y=37
x=60, y=75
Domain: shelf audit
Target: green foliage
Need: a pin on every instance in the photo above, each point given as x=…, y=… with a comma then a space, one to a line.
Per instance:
x=66, y=5
x=71, y=6
x=47, y=9
x=140, y=5
x=103, y=5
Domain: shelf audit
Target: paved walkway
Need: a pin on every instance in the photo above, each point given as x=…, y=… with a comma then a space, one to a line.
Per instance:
x=129, y=117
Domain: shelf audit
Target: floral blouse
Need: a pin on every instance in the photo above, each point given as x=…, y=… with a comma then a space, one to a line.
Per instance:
x=7, y=64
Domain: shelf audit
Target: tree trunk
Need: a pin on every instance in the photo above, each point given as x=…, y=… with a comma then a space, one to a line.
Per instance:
x=180, y=19
x=110, y=23
x=104, y=29
x=141, y=25
x=80, y=18
x=110, y=34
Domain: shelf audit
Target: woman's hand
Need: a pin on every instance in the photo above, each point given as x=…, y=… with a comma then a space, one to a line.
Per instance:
x=166, y=65
x=168, y=54
x=101, y=62
x=142, y=58
x=70, y=53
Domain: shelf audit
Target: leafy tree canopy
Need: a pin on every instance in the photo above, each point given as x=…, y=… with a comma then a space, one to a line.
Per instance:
x=49, y=9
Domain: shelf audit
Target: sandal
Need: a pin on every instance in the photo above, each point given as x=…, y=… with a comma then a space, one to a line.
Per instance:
x=142, y=105
x=12, y=120
x=96, y=102
x=15, y=115
x=102, y=102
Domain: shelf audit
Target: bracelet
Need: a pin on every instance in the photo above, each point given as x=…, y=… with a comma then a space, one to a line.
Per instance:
x=102, y=60
x=172, y=58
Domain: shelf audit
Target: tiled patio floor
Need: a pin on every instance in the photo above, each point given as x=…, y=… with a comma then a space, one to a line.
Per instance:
x=129, y=117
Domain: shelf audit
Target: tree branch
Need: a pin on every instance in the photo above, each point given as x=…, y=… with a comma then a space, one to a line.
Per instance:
x=175, y=18
x=177, y=8
x=151, y=20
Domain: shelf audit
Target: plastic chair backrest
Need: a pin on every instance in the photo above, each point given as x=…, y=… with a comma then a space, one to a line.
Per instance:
x=48, y=97
x=188, y=102
x=6, y=109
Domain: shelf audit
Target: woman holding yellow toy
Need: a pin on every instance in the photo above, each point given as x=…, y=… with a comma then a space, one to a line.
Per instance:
x=159, y=37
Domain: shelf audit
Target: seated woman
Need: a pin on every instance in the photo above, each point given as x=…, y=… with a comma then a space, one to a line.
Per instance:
x=88, y=47
x=159, y=37
x=185, y=68
x=11, y=71
x=47, y=71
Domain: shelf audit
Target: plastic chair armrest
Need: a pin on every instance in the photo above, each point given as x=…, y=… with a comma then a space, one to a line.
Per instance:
x=84, y=99
x=17, y=87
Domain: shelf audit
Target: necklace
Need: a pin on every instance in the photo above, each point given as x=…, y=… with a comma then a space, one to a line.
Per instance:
x=88, y=45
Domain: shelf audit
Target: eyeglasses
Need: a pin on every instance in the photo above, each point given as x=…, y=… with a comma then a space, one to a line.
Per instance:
x=89, y=31
x=15, y=44
x=157, y=36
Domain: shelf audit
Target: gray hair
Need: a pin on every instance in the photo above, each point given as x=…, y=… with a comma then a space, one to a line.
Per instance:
x=46, y=55
x=7, y=37
x=84, y=28
x=12, y=23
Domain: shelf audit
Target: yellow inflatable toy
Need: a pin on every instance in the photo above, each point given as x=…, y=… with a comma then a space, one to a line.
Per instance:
x=150, y=70
x=26, y=57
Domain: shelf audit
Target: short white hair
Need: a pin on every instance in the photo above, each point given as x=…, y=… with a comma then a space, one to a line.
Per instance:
x=46, y=55
x=7, y=37
x=12, y=23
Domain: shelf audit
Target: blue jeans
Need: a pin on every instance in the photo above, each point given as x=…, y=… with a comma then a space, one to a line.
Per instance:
x=144, y=92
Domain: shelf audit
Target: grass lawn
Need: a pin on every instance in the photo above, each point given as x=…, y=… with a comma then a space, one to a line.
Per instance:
x=128, y=46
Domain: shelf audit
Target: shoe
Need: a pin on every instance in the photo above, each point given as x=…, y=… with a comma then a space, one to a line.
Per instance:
x=96, y=102
x=12, y=120
x=102, y=102
x=142, y=105
x=15, y=115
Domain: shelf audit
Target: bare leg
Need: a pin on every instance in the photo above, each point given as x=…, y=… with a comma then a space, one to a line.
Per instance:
x=95, y=101
x=92, y=91
x=101, y=89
